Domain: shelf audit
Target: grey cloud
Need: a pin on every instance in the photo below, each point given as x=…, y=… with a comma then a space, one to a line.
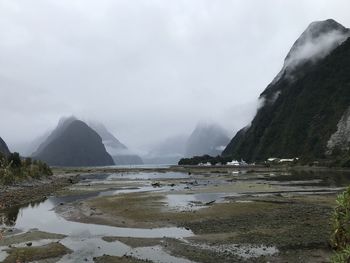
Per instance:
x=315, y=48
x=147, y=70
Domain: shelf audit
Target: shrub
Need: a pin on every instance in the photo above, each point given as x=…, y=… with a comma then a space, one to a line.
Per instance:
x=15, y=160
x=342, y=256
x=340, y=239
x=13, y=169
x=28, y=162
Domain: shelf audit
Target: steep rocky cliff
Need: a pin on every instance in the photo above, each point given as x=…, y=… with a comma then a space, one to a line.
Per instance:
x=304, y=110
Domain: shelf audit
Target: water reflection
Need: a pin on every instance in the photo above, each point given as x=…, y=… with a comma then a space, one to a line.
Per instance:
x=148, y=176
x=315, y=178
x=9, y=216
x=30, y=215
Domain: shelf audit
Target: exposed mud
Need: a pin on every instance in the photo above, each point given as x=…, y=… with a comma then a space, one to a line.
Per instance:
x=215, y=216
x=35, y=190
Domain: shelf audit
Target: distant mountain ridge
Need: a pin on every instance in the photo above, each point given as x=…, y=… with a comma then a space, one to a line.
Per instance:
x=304, y=110
x=109, y=140
x=207, y=138
x=73, y=143
x=120, y=153
x=3, y=147
x=168, y=151
x=63, y=123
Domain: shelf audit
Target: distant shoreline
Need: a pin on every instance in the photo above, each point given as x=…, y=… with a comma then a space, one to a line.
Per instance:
x=37, y=190
x=195, y=168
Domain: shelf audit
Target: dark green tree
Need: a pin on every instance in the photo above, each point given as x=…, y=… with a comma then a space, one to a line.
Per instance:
x=15, y=160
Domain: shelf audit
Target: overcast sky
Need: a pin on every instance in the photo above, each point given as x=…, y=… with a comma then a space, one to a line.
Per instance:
x=146, y=69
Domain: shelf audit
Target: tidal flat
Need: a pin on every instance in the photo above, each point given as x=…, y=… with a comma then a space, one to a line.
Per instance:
x=178, y=214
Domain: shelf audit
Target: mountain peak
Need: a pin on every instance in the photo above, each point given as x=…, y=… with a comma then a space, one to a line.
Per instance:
x=66, y=120
x=317, y=28
x=318, y=40
x=73, y=143
x=63, y=123
x=206, y=138
x=306, y=112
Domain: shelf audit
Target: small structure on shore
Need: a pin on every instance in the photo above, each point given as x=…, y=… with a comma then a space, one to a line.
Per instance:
x=273, y=160
x=233, y=163
x=281, y=160
x=204, y=164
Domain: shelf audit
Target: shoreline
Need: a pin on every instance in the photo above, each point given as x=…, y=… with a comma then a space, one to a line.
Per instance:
x=181, y=168
x=38, y=189
x=33, y=191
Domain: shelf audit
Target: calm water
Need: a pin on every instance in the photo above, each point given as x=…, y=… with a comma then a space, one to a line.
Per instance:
x=85, y=240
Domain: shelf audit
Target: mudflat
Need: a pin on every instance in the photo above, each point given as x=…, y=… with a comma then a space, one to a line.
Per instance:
x=187, y=215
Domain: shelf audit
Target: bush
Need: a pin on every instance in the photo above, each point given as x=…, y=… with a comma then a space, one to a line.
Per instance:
x=13, y=169
x=340, y=239
x=28, y=162
x=15, y=160
x=342, y=256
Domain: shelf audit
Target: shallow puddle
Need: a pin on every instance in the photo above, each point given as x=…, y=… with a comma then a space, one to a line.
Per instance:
x=44, y=218
x=147, y=176
x=188, y=202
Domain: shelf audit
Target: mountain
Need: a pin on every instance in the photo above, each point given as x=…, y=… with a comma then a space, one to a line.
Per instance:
x=28, y=147
x=305, y=109
x=73, y=143
x=3, y=147
x=208, y=139
x=42, y=141
x=108, y=138
x=169, y=151
x=119, y=152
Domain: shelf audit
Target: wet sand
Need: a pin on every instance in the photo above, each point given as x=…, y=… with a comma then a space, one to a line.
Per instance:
x=234, y=216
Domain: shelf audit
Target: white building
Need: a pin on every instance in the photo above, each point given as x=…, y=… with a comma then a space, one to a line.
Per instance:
x=204, y=164
x=233, y=163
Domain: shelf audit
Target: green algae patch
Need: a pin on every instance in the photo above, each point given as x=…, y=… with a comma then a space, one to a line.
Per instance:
x=148, y=210
x=124, y=259
x=28, y=236
x=28, y=254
